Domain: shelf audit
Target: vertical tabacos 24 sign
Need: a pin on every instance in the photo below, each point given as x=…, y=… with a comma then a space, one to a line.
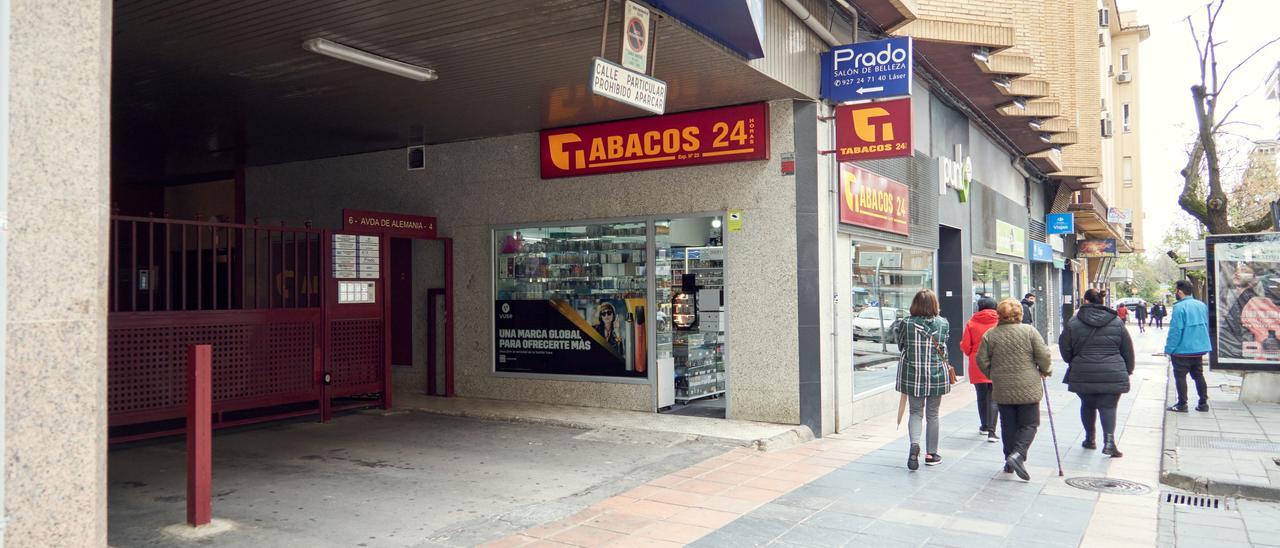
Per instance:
x=728, y=134
x=867, y=70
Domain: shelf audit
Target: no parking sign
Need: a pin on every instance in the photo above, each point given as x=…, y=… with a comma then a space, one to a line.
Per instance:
x=635, y=38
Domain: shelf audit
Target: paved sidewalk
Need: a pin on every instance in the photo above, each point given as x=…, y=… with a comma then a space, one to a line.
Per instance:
x=1232, y=450
x=854, y=489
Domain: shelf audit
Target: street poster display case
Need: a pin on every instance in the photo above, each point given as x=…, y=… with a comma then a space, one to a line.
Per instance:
x=1244, y=301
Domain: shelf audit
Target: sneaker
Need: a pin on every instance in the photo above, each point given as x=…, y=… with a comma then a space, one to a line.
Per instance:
x=992, y=437
x=1203, y=407
x=913, y=460
x=982, y=431
x=1180, y=408
x=1014, y=461
x=932, y=459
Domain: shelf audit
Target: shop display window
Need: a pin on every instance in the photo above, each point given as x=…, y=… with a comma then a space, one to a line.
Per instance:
x=571, y=300
x=997, y=279
x=885, y=280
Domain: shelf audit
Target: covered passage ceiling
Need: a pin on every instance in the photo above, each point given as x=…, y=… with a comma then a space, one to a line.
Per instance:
x=202, y=86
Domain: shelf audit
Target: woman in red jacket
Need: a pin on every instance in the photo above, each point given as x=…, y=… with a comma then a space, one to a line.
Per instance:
x=985, y=318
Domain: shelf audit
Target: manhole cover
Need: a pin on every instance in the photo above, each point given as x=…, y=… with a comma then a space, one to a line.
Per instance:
x=1109, y=485
x=1238, y=444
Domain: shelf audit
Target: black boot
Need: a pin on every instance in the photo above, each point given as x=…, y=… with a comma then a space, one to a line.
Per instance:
x=1109, y=447
x=1089, y=442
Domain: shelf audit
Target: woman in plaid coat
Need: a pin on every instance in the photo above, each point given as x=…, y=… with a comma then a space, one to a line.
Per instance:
x=923, y=374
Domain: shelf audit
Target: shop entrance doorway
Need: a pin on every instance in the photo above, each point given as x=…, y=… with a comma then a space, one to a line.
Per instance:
x=690, y=320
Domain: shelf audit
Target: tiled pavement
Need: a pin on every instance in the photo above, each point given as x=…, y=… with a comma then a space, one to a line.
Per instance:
x=853, y=488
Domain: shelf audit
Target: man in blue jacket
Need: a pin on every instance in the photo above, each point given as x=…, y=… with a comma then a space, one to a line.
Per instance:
x=1187, y=344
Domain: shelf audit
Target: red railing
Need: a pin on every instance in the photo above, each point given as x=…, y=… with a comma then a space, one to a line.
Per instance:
x=255, y=293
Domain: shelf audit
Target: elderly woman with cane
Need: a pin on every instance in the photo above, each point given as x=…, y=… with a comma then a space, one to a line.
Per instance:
x=1015, y=358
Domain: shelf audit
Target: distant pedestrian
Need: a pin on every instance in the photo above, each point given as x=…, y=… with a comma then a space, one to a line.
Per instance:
x=1015, y=358
x=923, y=373
x=1100, y=359
x=1028, y=303
x=1158, y=312
x=981, y=321
x=1186, y=345
x=1140, y=314
x=1122, y=312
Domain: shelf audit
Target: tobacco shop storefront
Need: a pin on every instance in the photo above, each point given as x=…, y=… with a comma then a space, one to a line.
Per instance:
x=646, y=264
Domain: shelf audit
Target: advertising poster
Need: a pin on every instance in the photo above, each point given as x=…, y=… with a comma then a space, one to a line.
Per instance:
x=1010, y=239
x=1096, y=248
x=1244, y=301
x=551, y=336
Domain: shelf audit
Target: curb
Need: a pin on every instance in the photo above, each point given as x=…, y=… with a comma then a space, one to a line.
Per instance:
x=794, y=436
x=1169, y=474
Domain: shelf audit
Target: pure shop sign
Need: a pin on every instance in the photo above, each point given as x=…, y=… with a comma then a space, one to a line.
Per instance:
x=873, y=201
x=955, y=173
x=731, y=134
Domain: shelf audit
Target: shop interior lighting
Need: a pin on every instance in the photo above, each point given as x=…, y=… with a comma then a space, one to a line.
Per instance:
x=982, y=55
x=1035, y=123
x=715, y=223
x=365, y=59
x=1003, y=81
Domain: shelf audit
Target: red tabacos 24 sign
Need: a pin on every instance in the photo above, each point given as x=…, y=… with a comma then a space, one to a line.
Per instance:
x=730, y=134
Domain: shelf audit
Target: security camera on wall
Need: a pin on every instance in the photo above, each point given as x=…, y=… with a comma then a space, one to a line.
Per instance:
x=417, y=156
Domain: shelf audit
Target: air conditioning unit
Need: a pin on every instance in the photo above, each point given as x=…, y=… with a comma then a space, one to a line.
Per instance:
x=1107, y=130
x=1102, y=40
x=1104, y=17
x=1124, y=78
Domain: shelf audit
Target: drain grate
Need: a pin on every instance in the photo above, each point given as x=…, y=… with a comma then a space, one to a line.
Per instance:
x=1196, y=501
x=1110, y=486
x=1237, y=444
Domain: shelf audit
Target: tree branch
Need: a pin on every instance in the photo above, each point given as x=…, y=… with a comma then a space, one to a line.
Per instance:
x=1246, y=60
x=1262, y=223
x=1190, y=199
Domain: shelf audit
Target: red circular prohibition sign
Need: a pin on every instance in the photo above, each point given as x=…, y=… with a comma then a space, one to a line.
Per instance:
x=635, y=35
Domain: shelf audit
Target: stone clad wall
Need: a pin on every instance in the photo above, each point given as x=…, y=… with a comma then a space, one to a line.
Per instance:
x=55, y=385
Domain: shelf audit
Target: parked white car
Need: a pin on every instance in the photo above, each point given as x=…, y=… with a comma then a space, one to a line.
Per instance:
x=866, y=324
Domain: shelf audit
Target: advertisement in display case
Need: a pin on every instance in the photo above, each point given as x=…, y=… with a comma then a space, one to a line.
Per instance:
x=551, y=336
x=1244, y=300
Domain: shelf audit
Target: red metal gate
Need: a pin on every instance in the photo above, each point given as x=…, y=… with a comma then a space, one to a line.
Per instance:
x=260, y=295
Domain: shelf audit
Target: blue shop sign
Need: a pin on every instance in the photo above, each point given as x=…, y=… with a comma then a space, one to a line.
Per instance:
x=867, y=70
x=1040, y=252
x=1060, y=223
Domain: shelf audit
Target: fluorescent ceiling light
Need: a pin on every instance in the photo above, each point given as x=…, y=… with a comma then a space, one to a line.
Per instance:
x=1045, y=138
x=1020, y=103
x=366, y=59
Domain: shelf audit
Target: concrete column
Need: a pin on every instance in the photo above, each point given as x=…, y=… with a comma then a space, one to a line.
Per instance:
x=1260, y=387
x=55, y=414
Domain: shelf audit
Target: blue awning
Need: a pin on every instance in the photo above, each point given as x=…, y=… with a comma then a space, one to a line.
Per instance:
x=735, y=24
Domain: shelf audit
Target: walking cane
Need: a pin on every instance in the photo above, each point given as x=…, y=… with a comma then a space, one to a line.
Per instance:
x=1053, y=431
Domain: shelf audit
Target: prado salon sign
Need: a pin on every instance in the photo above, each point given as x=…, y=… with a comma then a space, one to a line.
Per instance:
x=731, y=134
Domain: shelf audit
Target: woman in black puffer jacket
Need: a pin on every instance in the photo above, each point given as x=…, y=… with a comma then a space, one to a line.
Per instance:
x=1099, y=355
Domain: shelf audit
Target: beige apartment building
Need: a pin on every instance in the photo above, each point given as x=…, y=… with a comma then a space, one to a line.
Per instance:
x=1122, y=188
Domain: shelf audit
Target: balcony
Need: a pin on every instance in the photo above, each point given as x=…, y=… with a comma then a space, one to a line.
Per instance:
x=1090, y=213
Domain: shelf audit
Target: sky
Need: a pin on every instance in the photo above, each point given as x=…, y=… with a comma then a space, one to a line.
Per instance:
x=1168, y=67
